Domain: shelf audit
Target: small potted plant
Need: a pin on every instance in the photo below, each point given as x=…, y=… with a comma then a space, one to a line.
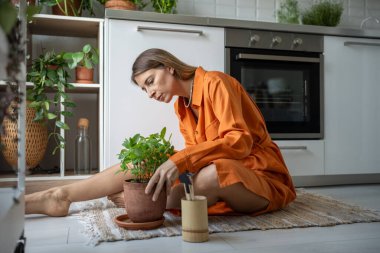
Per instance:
x=324, y=13
x=141, y=156
x=69, y=7
x=83, y=62
x=124, y=4
x=49, y=75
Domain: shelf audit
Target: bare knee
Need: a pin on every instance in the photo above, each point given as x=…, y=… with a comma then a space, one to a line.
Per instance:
x=206, y=183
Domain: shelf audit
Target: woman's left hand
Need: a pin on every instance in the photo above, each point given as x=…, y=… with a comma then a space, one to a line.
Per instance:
x=167, y=172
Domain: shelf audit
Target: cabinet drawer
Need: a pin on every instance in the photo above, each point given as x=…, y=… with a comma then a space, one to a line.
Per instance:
x=303, y=158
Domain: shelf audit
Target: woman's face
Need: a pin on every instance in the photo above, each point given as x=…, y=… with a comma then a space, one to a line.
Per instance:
x=159, y=83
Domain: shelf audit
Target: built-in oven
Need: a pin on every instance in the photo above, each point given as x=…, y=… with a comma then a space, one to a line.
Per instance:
x=282, y=72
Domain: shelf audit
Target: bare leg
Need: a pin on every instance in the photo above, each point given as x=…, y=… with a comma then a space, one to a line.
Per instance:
x=206, y=183
x=56, y=201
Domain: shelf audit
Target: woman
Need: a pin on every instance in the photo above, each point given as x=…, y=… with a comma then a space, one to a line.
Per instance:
x=236, y=164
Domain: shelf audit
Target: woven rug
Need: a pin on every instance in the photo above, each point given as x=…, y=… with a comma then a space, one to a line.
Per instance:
x=308, y=210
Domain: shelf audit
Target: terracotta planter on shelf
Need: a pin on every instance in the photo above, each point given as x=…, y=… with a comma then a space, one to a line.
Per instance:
x=139, y=206
x=36, y=139
x=120, y=5
x=84, y=75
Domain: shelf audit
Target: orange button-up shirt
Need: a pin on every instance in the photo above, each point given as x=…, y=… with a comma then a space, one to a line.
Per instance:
x=230, y=127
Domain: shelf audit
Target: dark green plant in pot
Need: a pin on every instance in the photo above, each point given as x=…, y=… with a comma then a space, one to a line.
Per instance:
x=49, y=75
x=88, y=57
x=143, y=155
x=289, y=12
x=164, y=6
x=324, y=13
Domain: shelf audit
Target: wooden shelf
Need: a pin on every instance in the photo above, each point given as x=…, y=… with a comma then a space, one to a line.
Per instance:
x=56, y=25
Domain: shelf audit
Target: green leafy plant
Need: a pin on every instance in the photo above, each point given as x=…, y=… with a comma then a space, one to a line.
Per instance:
x=139, y=4
x=164, y=6
x=88, y=57
x=289, y=12
x=324, y=12
x=68, y=6
x=48, y=74
x=143, y=155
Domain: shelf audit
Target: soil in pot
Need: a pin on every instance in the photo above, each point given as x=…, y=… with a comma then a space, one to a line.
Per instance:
x=139, y=206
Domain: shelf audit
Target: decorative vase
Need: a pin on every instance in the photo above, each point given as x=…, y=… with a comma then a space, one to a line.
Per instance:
x=84, y=75
x=36, y=136
x=139, y=206
x=120, y=5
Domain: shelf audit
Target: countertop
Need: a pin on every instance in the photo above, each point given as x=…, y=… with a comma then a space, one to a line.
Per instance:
x=235, y=23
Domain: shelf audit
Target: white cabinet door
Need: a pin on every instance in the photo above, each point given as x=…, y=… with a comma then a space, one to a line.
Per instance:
x=352, y=105
x=303, y=157
x=128, y=109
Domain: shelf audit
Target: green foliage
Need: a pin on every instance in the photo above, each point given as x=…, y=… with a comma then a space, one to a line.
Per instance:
x=164, y=6
x=325, y=13
x=88, y=57
x=68, y=5
x=143, y=155
x=49, y=75
x=8, y=15
x=289, y=12
x=139, y=4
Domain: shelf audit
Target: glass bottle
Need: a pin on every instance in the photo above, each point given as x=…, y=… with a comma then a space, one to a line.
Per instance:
x=82, y=149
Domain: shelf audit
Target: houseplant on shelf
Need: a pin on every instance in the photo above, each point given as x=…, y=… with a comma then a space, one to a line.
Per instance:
x=49, y=75
x=83, y=62
x=141, y=156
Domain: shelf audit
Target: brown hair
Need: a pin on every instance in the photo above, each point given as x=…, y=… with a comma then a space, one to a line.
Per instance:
x=158, y=58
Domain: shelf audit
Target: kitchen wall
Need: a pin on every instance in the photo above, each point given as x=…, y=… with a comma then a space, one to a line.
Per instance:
x=265, y=10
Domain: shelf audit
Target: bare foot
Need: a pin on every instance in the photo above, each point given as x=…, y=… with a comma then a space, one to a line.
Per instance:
x=52, y=202
x=117, y=199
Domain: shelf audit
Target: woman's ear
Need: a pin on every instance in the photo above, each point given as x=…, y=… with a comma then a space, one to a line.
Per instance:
x=171, y=70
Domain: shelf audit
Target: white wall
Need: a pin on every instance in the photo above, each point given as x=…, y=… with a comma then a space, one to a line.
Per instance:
x=264, y=10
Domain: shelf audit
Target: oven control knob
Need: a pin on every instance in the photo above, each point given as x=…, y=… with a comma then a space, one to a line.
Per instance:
x=254, y=39
x=297, y=42
x=276, y=40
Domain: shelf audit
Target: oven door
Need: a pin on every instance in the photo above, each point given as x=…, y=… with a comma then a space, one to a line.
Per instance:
x=286, y=86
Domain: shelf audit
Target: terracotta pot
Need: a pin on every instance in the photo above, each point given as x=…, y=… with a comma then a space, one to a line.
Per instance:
x=139, y=206
x=70, y=4
x=36, y=139
x=84, y=75
x=120, y=5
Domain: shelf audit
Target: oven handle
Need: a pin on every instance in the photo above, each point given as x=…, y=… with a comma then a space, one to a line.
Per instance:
x=293, y=147
x=275, y=58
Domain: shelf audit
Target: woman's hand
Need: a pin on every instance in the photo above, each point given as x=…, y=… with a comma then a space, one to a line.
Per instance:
x=167, y=172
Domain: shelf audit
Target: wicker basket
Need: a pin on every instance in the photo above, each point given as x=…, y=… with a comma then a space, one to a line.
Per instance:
x=36, y=139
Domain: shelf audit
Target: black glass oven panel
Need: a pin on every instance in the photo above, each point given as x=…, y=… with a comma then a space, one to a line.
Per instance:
x=287, y=93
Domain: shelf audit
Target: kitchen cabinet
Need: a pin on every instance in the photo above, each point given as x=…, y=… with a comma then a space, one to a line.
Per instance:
x=352, y=105
x=128, y=110
x=303, y=157
x=68, y=34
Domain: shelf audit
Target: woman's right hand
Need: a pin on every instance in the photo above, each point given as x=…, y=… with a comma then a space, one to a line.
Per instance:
x=167, y=173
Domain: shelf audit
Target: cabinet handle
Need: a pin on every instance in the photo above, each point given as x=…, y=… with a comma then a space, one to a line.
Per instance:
x=149, y=28
x=354, y=43
x=293, y=147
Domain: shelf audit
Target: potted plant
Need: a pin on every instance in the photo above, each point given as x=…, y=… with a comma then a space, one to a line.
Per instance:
x=324, y=12
x=49, y=75
x=83, y=62
x=288, y=12
x=141, y=156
